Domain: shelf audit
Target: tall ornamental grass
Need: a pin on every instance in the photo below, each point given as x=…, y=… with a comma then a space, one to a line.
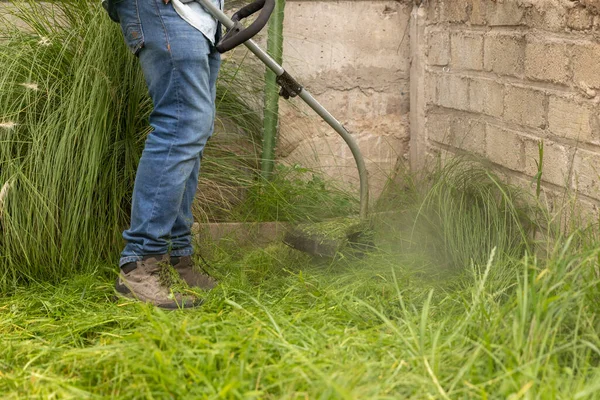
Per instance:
x=73, y=118
x=456, y=214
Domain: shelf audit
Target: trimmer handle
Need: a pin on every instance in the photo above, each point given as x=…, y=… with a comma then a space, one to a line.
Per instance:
x=238, y=34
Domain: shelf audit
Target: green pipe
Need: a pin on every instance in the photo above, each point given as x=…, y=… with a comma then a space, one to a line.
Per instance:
x=271, y=108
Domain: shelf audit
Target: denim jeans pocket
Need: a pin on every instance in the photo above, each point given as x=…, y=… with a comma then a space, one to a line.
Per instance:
x=131, y=25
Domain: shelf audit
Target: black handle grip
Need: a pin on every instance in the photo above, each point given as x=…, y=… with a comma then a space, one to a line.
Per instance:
x=238, y=34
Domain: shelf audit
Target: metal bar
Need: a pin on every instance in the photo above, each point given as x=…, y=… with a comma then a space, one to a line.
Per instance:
x=271, y=108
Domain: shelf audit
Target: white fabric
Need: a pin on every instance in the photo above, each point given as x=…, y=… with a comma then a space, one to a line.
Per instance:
x=198, y=17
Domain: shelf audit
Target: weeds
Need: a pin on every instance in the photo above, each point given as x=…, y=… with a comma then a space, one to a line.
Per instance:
x=294, y=193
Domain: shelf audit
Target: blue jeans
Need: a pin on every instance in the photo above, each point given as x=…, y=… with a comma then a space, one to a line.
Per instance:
x=180, y=67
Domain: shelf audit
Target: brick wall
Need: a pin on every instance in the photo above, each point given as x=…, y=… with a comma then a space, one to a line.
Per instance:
x=498, y=77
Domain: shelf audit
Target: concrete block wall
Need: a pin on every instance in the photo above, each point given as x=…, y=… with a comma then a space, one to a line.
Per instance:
x=354, y=57
x=500, y=76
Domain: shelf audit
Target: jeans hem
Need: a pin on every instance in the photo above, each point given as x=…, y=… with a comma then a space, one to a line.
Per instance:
x=182, y=252
x=128, y=259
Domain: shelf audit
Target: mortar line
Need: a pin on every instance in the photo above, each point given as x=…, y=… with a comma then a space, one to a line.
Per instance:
x=570, y=37
x=529, y=132
x=504, y=79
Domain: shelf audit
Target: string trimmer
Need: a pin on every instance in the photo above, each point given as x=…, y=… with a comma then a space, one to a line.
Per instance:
x=323, y=239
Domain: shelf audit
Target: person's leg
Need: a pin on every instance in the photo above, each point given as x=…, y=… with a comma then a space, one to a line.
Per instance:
x=181, y=233
x=175, y=59
x=181, y=237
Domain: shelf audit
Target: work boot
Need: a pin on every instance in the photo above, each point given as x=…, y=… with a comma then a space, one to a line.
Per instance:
x=185, y=268
x=146, y=280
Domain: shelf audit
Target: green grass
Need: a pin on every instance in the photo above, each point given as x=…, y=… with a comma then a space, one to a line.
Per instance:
x=474, y=290
x=294, y=193
x=402, y=322
x=279, y=327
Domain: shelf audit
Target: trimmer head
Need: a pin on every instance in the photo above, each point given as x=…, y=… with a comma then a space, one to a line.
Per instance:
x=330, y=238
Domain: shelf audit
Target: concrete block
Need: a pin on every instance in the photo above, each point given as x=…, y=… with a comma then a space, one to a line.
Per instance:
x=457, y=131
x=453, y=92
x=433, y=155
x=311, y=52
x=504, y=54
x=586, y=67
x=467, y=51
x=9, y=14
x=332, y=157
x=478, y=13
x=455, y=11
x=586, y=213
x=469, y=135
x=573, y=120
x=430, y=88
x=525, y=184
x=382, y=156
x=547, y=14
x=556, y=163
x=505, y=147
x=438, y=52
x=432, y=11
x=525, y=106
x=507, y=13
x=252, y=234
x=381, y=149
x=486, y=96
x=580, y=19
x=586, y=177
x=326, y=154
x=592, y=5
x=334, y=77
x=437, y=128
x=359, y=103
x=546, y=61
